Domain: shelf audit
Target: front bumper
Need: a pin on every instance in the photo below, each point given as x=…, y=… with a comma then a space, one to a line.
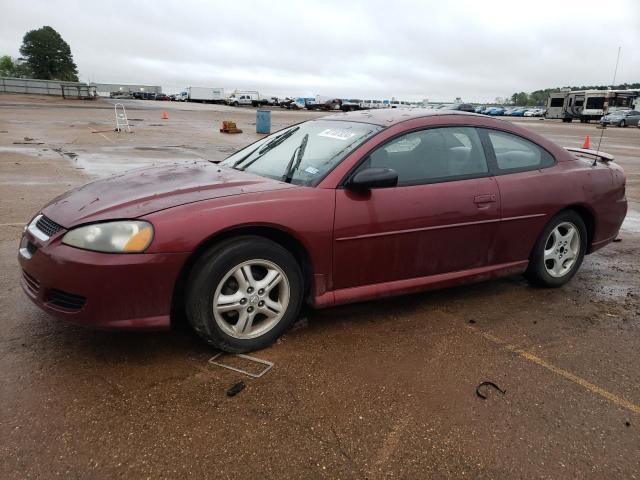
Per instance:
x=110, y=291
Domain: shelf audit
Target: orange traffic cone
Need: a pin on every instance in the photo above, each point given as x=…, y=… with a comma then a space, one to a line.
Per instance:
x=586, y=143
x=165, y=115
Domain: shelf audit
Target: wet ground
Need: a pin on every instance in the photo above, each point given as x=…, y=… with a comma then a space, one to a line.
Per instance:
x=382, y=389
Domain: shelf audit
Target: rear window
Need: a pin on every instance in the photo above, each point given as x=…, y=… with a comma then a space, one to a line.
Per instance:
x=556, y=102
x=515, y=153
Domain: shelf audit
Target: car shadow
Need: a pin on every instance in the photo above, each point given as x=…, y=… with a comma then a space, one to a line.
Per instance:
x=59, y=340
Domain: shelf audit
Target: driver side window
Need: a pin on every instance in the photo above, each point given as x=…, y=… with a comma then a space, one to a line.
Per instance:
x=432, y=155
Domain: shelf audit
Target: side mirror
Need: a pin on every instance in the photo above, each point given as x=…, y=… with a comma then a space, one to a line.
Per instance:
x=373, y=178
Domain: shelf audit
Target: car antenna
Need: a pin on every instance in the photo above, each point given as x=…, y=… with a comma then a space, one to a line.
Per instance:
x=613, y=84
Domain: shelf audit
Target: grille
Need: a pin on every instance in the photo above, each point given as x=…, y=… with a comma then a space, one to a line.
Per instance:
x=48, y=226
x=65, y=301
x=30, y=284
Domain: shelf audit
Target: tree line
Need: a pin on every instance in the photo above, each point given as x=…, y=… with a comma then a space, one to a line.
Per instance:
x=44, y=55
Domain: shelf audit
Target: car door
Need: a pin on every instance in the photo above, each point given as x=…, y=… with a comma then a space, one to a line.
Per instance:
x=529, y=188
x=633, y=117
x=441, y=217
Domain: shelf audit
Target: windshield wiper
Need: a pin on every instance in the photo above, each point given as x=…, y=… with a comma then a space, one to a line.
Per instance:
x=291, y=166
x=268, y=146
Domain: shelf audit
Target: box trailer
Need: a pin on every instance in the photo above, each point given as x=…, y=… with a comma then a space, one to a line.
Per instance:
x=202, y=94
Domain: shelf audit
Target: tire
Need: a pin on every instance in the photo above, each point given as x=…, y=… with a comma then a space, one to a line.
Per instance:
x=622, y=124
x=235, y=104
x=213, y=292
x=558, y=268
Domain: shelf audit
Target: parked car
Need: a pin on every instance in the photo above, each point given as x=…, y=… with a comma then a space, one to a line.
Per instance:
x=121, y=95
x=238, y=99
x=333, y=104
x=621, y=118
x=495, y=111
x=350, y=104
x=535, y=112
x=464, y=107
x=399, y=104
x=162, y=96
x=329, y=211
x=518, y=112
x=480, y=109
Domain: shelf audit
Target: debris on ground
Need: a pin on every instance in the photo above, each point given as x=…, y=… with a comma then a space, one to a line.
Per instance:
x=229, y=127
x=235, y=389
x=472, y=321
x=268, y=365
x=488, y=384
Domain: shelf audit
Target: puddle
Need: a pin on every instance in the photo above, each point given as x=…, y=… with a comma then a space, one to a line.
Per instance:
x=631, y=222
x=614, y=292
x=102, y=164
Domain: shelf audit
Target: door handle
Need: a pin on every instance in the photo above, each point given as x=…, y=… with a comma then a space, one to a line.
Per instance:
x=489, y=198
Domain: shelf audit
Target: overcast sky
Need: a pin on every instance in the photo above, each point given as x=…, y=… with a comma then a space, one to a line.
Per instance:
x=477, y=50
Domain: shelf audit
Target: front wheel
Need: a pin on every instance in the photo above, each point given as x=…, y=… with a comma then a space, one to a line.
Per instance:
x=559, y=251
x=244, y=293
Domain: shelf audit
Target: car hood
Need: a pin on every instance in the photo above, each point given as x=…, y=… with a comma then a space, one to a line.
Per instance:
x=143, y=191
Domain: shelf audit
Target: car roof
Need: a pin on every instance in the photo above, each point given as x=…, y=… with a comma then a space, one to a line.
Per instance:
x=391, y=116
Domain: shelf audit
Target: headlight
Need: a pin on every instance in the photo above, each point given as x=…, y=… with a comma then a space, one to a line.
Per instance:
x=128, y=236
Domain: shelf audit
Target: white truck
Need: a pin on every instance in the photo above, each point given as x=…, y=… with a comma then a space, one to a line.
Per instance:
x=239, y=98
x=202, y=94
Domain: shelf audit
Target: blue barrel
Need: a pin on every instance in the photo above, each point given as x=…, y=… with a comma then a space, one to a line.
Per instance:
x=263, y=121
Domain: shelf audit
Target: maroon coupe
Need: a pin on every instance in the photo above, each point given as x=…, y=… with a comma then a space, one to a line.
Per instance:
x=345, y=208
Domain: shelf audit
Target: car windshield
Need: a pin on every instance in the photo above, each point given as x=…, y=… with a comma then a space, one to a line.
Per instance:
x=302, y=154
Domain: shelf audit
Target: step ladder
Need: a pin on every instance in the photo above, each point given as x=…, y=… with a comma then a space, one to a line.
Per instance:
x=121, y=118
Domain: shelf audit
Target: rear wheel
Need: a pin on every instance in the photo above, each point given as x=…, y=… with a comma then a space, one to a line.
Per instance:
x=559, y=251
x=244, y=293
x=623, y=123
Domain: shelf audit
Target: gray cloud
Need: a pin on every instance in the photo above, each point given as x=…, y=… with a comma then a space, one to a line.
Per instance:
x=408, y=49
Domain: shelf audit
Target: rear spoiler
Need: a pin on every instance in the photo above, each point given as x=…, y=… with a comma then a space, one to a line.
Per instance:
x=595, y=154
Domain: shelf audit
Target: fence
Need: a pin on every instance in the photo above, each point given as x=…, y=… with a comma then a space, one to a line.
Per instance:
x=47, y=87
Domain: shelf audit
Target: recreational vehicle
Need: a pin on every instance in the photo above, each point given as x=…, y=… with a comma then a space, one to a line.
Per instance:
x=587, y=105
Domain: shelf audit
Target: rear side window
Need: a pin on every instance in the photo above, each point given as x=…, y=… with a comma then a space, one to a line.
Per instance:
x=514, y=153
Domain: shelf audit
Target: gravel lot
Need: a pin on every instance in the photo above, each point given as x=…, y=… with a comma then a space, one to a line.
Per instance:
x=374, y=390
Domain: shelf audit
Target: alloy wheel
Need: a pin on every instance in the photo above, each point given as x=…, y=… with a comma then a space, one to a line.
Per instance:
x=251, y=299
x=562, y=249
